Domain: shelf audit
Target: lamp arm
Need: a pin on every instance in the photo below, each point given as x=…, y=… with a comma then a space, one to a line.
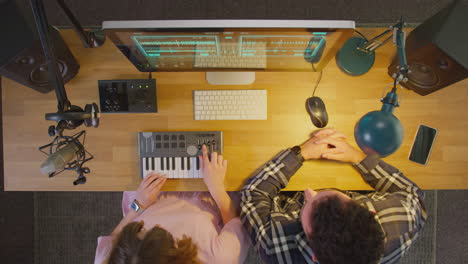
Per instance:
x=398, y=36
x=399, y=41
x=375, y=43
x=391, y=99
x=395, y=31
x=380, y=132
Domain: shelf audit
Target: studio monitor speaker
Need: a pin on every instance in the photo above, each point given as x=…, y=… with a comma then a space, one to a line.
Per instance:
x=21, y=55
x=437, y=51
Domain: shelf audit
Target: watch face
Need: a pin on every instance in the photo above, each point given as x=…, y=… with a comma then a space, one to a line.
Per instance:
x=135, y=206
x=297, y=151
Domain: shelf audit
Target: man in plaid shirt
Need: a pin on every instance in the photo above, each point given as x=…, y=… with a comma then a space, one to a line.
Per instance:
x=331, y=226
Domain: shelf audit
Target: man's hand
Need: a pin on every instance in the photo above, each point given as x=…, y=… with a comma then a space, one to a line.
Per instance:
x=148, y=191
x=340, y=150
x=310, y=150
x=214, y=171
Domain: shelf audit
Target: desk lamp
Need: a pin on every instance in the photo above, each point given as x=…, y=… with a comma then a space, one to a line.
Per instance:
x=65, y=152
x=377, y=132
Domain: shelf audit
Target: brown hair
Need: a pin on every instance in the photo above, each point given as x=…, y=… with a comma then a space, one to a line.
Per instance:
x=345, y=232
x=158, y=246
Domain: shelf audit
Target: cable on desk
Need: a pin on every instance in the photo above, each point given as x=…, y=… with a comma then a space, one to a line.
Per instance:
x=362, y=35
x=318, y=79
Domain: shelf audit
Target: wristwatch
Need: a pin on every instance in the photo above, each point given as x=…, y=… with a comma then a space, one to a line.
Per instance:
x=136, y=206
x=297, y=151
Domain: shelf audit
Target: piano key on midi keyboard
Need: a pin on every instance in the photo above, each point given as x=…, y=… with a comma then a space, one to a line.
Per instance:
x=198, y=168
x=166, y=166
x=144, y=167
x=147, y=169
x=196, y=173
x=172, y=167
x=189, y=167
x=178, y=172
x=169, y=168
x=157, y=164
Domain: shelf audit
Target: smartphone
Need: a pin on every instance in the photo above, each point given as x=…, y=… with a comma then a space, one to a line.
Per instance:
x=422, y=144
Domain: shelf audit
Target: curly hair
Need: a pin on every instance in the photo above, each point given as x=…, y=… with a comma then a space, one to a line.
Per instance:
x=158, y=246
x=345, y=232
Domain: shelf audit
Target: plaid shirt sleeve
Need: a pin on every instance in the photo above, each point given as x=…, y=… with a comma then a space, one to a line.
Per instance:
x=277, y=237
x=398, y=203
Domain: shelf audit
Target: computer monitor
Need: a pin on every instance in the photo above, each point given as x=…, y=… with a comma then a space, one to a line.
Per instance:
x=230, y=51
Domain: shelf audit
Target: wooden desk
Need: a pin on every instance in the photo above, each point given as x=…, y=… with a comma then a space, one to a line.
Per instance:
x=247, y=143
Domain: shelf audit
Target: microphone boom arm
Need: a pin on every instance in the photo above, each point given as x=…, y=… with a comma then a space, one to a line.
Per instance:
x=68, y=116
x=48, y=47
x=90, y=39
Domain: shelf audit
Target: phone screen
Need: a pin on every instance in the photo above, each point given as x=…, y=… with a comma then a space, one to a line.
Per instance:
x=422, y=144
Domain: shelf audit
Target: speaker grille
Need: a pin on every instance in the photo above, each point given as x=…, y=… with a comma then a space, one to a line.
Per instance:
x=40, y=74
x=422, y=75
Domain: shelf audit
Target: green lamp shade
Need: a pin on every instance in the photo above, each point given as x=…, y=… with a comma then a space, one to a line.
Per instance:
x=379, y=132
x=353, y=61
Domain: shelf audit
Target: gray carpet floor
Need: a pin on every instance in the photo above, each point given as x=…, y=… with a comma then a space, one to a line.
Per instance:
x=92, y=13
x=66, y=226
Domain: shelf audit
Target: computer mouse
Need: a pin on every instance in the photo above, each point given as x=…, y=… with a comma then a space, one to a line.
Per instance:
x=317, y=111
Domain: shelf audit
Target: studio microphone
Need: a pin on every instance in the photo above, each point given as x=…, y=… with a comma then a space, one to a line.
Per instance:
x=58, y=160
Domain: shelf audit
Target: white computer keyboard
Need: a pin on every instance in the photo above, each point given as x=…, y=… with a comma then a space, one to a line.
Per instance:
x=230, y=104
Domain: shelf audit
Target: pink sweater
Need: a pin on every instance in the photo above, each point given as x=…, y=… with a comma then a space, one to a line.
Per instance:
x=194, y=214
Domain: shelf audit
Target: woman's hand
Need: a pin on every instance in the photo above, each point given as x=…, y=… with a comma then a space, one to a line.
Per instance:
x=148, y=191
x=146, y=195
x=213, y=171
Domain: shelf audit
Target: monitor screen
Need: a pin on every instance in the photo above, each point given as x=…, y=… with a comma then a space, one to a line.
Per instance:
x=229, y=45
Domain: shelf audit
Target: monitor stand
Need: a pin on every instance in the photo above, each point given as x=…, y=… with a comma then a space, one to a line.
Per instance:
x=230, y=78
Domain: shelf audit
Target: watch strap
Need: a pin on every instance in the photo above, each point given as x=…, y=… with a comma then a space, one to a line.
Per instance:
x=297, y=151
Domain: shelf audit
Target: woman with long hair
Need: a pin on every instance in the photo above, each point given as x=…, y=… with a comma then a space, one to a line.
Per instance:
x=177, y=227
